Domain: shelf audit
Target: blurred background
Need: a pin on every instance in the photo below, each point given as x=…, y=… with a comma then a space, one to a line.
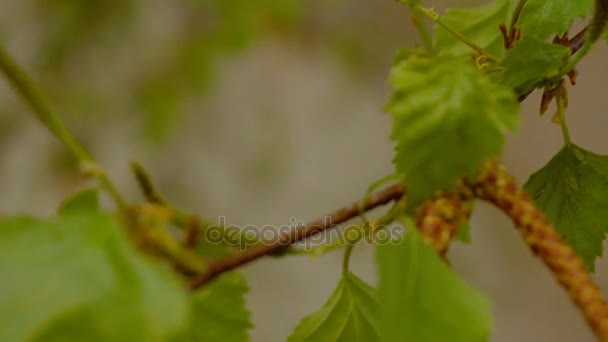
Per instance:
x=263, y=111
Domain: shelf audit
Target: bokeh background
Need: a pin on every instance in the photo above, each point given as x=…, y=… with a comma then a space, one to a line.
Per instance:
x=263, y=111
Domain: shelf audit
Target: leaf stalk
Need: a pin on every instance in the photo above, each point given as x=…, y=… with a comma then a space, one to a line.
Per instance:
x=36, y=99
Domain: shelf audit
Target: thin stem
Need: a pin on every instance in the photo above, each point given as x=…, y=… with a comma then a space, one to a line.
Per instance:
x=106, y=184
x=348, y=251
x=322, y=249
x=592, y=33
x=375, y=186
x=373, y=225
x=422, y=29
x=34, y=96
x=515, y=18
x=149, y=225
x=192, y=225
x=599, y=21
x=364, y=230
x=37, y=100
x=561, y=113
x=582, y=52
x=185, y=260
x=437, y=19
x=146, y=185
x=316, y=251
x=392, y=193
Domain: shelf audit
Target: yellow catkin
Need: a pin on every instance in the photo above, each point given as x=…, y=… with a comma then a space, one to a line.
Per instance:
x=495, y=185
x=439, y=219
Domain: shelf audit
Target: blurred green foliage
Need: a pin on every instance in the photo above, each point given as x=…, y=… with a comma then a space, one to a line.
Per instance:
x=77, y=278
x=216, y=28
x=72, y=30
x=151, y=60
x=72, y=25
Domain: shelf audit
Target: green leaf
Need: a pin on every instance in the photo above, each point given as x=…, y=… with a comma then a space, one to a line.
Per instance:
x=448, y=118
x=463, y=234
x=546, y=18
x=530, y=61
x=80, y=202
x=350, y=314
x=78, y=278
x=571, y=190
x=479, y=24
x=219, y=308
x=219, y=311
x=422, y=299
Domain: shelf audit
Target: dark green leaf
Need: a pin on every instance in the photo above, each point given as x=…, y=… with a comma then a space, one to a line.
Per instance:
x=81, y=202
x=77, y=278
x=422, y=299
x=571, y=190
x=546, y=18
x=350, y=314
x=448, y=118
x=219, y=311
x=530, y=61
x=479, y=24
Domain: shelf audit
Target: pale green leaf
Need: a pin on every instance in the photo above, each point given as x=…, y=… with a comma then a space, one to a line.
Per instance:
x=448, y=118
x=219, y=311
x=350, y=314
x=219, y=308
x=479, y=24
x=530, y=61
x=80, y=202
x=546, y=18
x=78, y=278
x=422, y=299
x=571, y=190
